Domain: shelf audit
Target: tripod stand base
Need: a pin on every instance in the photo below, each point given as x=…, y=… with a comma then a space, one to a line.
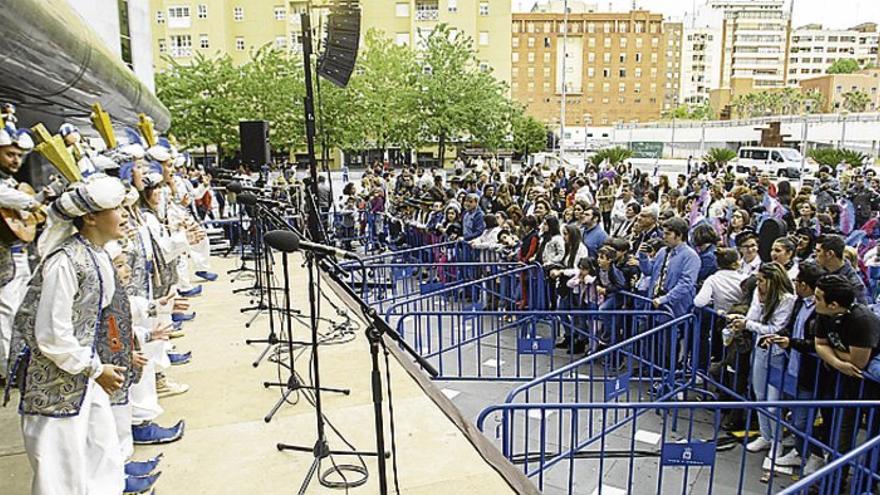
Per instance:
x=320, y=451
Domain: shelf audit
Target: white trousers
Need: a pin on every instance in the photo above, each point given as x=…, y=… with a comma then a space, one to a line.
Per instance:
x=184, y=283
x=11, y=296
x=77, y=455
x=200, y=254
x=122, y=414
x=142, y=395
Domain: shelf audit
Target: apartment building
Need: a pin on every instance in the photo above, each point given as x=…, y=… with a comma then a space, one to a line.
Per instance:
x=834, y=86
x=700, y=64
x=673, y=34
x=814, y=48
x=754, y=41
x=615, y=66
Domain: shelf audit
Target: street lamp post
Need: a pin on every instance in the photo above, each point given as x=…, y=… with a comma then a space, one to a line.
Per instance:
x=804, y=148
x=672, y=141
x=702, y=136
x=842, y=129
x=564, y=82
x=587, y=121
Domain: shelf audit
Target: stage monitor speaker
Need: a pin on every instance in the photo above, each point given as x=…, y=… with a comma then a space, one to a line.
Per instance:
x=771, y=229
x=343, y=38
x=254, y=142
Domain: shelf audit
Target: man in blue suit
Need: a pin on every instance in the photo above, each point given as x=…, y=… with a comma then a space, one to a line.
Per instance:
x=673, y=270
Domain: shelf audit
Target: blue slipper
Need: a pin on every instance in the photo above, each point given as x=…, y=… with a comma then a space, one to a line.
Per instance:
x=179, y=358
x=195, y=291
x=209, y=276
x=140, y=484
x=152, y=434
x=142, y=468
x=181, y=317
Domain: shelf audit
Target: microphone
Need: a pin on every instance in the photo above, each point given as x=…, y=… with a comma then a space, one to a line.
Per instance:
x=251, y=199
x=287, y=241
x=236, y=187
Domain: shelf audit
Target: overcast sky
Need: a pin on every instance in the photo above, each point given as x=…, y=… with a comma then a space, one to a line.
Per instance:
x=830, y=13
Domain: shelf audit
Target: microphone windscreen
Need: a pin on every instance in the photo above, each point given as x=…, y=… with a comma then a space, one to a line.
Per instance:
x=234, y=186
x=282, y=240
x=247, y=198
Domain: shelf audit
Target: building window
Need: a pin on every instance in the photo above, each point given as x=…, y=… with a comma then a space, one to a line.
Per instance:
x=621, y=88
x=181, y=45
x=280, y=41
x=239, y=43
x=514, y=57
x=531, y=42
x=638, y=57
x=160, y=17
x=238, y=13
x=452, y=5
x=484, y=67
x=606, y=57
x=591, y=72
x=546, y=42
x=623, y=58
x=178, y=12
x=202, y=11
x=622, y=73
x=546, y=57
x=203, y=41
x=280, y=13
x=546, y=87
x=162, y=45
x=607, y=42
x=484, y=38
x=531, y=72
x=484, y=8
x=546, y=72
x=124, y=33
x=531, y=57
x=514, y=43
x=591, y=42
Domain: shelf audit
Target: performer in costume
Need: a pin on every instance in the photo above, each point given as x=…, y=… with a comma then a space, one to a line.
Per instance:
x=118, y=344
x=14, y=268
x=67, y=421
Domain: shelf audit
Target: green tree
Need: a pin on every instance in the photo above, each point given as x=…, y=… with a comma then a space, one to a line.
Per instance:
x=270, y=87
x=719, y=156
x=814, y=101
x=843, y=66
x=452, y=91
x=528, y=134
x=616, y=155
x=856, y=101
x=201, y=98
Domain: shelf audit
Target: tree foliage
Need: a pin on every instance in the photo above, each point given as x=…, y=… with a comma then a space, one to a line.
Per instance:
x=787, y=101
x=833, y=156
x=719, y=156
x=613, y=156
x=856, y=101
x=703, y=111
x=397, y=97
x=843, y=66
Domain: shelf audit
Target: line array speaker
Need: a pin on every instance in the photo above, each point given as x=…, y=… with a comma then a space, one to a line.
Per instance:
x=343, y=38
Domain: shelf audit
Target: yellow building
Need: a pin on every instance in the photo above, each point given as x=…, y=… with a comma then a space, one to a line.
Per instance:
x=183, y=28
x=615, y=66
x=486, y=22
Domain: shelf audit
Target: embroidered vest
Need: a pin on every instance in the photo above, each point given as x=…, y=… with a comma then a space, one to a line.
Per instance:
x=142, y=268
x=46, y=390
x=115, y=341
x=166, y=270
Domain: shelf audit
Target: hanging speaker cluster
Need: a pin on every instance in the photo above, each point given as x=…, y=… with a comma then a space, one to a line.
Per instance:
x=343, y=38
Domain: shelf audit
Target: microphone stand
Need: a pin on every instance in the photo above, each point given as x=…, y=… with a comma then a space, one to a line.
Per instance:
x=272, y=339
x=243, y=268
x=376, y=329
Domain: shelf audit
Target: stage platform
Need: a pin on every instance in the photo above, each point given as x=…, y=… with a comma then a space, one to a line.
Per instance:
x=229, y=449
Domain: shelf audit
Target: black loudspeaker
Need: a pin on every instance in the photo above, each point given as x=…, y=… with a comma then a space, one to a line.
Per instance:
x=254, y=142
x=343, y=38
x=771, y=229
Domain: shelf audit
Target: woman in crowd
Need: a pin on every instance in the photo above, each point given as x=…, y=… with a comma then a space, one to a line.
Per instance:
x=770, y=310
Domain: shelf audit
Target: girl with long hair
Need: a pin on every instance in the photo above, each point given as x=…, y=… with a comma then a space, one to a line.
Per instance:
x=771, y=307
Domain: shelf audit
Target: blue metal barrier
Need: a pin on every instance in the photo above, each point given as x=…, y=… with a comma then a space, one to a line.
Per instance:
x=511, y=345
x=649, y=447
x=862, y=463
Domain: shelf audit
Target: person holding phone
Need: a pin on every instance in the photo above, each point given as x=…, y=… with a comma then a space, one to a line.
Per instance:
x=771, y=308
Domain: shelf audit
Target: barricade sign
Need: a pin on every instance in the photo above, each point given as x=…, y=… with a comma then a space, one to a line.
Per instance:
x=535, y=345
x=688, y=454
x=616, y=387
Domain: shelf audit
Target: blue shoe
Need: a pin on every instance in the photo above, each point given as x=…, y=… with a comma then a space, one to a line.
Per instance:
x=140, y=484
x=181, y=317
x=142, y=468
x=178, y=358
x=209, y=276
x=176, y=325
x=152, y=434
x=195, y=291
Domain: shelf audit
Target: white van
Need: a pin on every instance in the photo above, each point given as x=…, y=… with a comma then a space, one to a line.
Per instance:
x=781, y=162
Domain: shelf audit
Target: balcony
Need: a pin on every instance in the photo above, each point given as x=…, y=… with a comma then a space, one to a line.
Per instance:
x=180, y=51
x=427, y=15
